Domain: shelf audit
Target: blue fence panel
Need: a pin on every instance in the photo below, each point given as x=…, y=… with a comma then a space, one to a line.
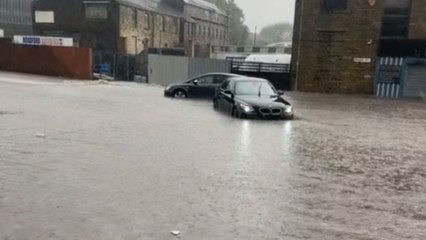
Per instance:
x=389, y=77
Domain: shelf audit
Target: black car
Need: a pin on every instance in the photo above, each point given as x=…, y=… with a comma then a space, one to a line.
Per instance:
x=246, y=97
x=203, y=86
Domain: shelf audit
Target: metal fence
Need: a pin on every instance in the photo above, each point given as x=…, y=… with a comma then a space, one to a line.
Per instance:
x=115, y=65
x=166, y=70
x=277, y=74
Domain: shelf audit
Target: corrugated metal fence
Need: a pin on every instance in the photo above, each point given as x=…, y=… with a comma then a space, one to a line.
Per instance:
x=165, y=70
x=389, y=79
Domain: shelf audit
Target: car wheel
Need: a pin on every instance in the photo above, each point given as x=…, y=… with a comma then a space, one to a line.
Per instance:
x=180, y=94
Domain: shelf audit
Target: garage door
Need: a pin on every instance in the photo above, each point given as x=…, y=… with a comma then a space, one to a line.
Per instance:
x=415, y=84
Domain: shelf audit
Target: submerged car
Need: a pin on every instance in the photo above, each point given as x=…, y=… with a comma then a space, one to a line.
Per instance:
x=246, y=97
x=203, y=86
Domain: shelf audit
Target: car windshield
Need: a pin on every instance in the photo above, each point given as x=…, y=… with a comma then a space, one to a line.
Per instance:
x=254, y=88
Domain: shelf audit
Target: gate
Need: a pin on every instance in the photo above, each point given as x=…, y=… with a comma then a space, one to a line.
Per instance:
x=117, y=65
x=277, y=74
x=389, y=77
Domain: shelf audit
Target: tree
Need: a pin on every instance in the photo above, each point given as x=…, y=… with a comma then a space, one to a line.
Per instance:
x=239, y=31
x=278, y=32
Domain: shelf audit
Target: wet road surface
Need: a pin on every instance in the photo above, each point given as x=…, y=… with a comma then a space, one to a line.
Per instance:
x=119, y=161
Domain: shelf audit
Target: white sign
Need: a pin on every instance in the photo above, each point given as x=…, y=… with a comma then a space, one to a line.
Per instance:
x=44, y=16
x=362, y=60
x=1, y=33
x=43, y=41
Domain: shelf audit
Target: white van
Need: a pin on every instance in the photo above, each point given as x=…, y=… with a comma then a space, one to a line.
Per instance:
x=265, y=63
x=269, y=58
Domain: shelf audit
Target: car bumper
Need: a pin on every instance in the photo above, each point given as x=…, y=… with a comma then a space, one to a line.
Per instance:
x=257, y=115
x=168, y=93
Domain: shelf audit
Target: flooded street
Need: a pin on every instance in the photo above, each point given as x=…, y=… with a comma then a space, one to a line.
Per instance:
x=120, y=161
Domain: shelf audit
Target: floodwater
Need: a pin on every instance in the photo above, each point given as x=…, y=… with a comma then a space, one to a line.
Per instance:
x=119, y=161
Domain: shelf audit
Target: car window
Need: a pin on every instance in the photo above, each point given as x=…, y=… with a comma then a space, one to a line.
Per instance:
x=230, y=86
x=253, y=88
x=205, y=80
x=224, y=84
x=219, y=79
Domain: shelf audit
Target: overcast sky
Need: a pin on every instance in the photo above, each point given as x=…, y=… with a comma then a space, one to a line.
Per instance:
x=264, y=12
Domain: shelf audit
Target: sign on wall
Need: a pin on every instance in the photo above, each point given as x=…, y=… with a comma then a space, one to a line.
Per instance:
x=362, y=60
x=44, y=16
x=43, y=41
x=1, y=33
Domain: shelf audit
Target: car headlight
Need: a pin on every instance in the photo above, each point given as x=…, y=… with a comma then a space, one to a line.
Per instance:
x=246, y=108
x=168, y=88
x=289, y=109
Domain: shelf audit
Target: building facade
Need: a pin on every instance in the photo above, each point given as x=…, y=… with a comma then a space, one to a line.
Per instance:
x=209, y=25
x=131, y=26
x=338, y=44
x=127, y=26
x=15, y=17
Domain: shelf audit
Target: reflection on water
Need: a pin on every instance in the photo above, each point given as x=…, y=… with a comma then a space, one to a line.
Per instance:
x=244, y=142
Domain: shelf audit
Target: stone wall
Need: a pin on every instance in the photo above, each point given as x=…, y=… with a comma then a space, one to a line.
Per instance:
x=418, y=20
x=140, y=29
x=217, y=23
x=330, y=43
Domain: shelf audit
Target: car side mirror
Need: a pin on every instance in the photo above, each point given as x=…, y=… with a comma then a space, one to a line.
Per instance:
x=195, y=82
x=280, y=92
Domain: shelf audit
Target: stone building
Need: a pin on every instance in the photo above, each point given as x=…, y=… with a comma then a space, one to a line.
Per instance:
x=337, y=43
x=210, y=25
x=127, y=26
x=15, y=18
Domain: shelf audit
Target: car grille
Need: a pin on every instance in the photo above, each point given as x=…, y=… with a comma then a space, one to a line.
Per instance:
x=270, y=111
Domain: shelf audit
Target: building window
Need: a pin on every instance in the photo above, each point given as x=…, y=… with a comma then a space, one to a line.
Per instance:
x=240, y=49
x=96, y=10
x=175, y=25
x=335, y=5
x=204, y=30
x=396, y=19
x=162, y=23
x=135, y=17
x=256, y=49
x=147, y=21
x=193, y=29
x=397, y=7
x=217, y=33
x=200, y=31
x=272, y=50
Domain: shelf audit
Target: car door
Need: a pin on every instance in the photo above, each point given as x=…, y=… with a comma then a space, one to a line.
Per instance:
x=220, y=95
x=201, y=87
x=228, y=98
x=217, y=82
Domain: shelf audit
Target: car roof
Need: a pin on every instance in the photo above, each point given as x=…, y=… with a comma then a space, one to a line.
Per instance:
x=221, y=73
x=243, y=79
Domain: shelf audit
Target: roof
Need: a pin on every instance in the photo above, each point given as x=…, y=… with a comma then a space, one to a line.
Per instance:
x=244, y=79
x=204, y=4
x=153, y=6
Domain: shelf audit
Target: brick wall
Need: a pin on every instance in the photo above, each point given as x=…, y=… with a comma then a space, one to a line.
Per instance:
x=46, y=60
x=330, y=42
x=418, y=20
